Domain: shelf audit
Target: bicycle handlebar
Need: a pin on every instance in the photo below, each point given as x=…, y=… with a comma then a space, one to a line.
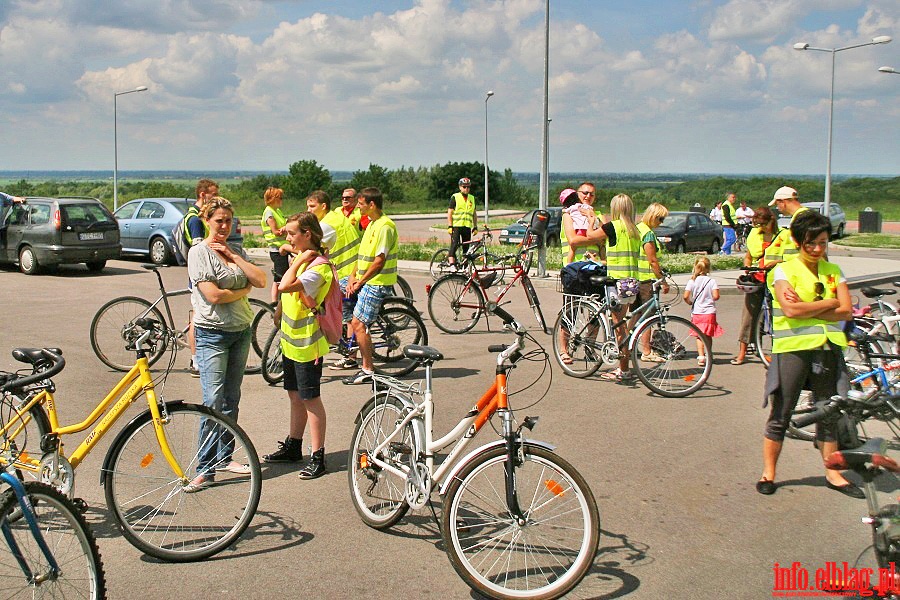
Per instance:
x=57, y=365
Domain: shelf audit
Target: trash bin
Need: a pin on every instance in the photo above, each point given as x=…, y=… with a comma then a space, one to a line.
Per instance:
x=696, y=208
x=869, y=221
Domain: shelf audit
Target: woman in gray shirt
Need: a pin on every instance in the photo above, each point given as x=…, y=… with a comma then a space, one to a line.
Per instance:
x=222, y=279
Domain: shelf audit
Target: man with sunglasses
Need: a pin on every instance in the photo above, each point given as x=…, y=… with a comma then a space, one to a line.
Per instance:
x=587, y=194
x=462, y=218
x=349, y=207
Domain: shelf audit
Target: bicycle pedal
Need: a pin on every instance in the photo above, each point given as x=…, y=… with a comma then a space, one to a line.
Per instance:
x=401, y=448
x=80, y=504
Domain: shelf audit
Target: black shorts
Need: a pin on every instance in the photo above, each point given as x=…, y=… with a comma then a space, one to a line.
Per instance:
x=281, y=264
x=303, y=377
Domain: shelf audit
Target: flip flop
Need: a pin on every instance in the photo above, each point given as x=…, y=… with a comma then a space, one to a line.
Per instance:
x=735, y=361
x=565, y=358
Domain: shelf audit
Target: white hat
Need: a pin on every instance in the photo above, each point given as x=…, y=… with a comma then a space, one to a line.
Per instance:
x=329, y=236
x=784, y=193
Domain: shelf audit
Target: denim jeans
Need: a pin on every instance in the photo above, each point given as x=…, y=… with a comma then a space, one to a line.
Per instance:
x=221, y=358
x=729, y=239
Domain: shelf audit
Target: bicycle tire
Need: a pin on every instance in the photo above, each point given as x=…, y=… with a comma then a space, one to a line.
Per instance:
x=272, y=367
x=260, y=326
x=113, y=329
x=389, y=336
x=439, y=264
x=535, y=303
x=377, y=495
x=22, y=446
x=674, y=339
x=477, y=526
x=403, y=287
x=68, y=537
x=585, y=318
x=455, y=303
x=141, y=488
x=763, y=337
x=526, y=256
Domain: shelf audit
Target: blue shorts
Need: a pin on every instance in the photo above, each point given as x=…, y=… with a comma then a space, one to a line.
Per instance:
x=303, y=377
x=369, y=303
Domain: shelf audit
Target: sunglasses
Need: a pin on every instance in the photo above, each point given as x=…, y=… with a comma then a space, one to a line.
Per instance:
x=346, y=197
x=820, y=291
x=586, y=193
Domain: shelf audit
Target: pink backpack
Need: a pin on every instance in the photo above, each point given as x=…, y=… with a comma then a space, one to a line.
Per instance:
x=329, y=312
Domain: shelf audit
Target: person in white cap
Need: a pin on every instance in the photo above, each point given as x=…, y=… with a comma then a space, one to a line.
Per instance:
x=783, y=248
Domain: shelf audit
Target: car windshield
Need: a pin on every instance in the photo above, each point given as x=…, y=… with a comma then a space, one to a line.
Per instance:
x=84, y=214
x=675, y=221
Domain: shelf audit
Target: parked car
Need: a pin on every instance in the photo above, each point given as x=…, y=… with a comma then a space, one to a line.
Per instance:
x=146, y=227
x=837, y=216
x=514, y=232
x=46, y=232
x=690, y=232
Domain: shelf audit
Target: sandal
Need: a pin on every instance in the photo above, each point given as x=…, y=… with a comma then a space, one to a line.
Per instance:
x=652, y=357
x=701, y=361
x=735, y=361
x=236, y=468
x=565, y=359
x=611, y=375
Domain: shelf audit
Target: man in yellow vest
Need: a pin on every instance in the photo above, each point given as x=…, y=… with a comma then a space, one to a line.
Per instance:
x=784, y=248
x=348, y=207
x=376, y=273
x=587, y=193
x=462, y=218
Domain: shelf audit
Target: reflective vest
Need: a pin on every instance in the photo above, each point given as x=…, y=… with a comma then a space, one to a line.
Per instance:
x=367, y=248
x=464, y=213
x=193, y=211
x=794, y=334
x=788, y=248
x=622, y=259
x=272, y=240
x=564, y=243
x=301, y=339
x=354, y=216
x=645, y=271
x=755, y=244
x=346, y=245
x=728, y=209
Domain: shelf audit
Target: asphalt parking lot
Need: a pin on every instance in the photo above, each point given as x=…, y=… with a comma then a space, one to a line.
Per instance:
x=674, y=478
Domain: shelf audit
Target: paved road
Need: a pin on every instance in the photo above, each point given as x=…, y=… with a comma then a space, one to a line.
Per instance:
x=674, y=479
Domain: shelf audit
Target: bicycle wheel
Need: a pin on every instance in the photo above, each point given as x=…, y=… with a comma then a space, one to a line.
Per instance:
x=113, y=330
x=149, y=502
x=439, y=264
x=535, y=303
x=262, y=325
x=675, y=340
x=402, y=290
x=377, y=494
x=272, y=367
x=580, y=331
x=69, y=539
x=495, y=555
x=526, y=255
x=763, y=334
x=396, y=327
x=22, y=443
x=455, y=303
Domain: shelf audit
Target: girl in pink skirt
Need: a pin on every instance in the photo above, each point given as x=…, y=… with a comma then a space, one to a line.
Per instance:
x=701, y=293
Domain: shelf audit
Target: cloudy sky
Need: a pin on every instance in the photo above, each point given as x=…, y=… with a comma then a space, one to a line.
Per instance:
x=635, y=86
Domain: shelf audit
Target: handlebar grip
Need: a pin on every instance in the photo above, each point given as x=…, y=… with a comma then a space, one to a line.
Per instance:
x=820, y=413
x=504, y=316
x=20, y=382
x=497, y=348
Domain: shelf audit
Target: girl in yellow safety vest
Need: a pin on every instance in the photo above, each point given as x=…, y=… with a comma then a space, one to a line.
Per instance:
x=811, y=301
x=272, y=223
x=303, y=346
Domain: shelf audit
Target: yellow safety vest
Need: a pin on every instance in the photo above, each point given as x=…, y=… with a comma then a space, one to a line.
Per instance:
x=388, y=273
x=755, y=244
x=193, y=211
x=302, y=340
x=789, y=248
x=346, y=245
x=464, y=213
x=354, y=217
x=794, y=334
x=564, y=244
x=645, y=271
x=622, y=259
x=272, y=240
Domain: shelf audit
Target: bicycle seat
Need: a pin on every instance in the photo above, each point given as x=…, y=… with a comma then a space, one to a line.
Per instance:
x=870, y=292
x=33, y=355
x=872, y=452
x=601, y=280
x=422, y=352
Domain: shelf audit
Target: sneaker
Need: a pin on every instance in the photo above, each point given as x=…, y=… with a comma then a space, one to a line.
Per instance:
x=344, y=364
x=358, y=378
x=194, y=371
x=200, y=482
x=315, y=468
x=290, y=450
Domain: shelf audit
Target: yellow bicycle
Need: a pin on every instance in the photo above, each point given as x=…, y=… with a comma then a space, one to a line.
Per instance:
x=148, y=468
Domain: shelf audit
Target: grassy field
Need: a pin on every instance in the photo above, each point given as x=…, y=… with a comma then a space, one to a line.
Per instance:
x=871, y=240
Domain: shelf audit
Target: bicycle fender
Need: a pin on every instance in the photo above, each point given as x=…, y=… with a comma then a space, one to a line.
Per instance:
x=471, y=455
x=403, y=301
x=418, y=425
x=133, y=424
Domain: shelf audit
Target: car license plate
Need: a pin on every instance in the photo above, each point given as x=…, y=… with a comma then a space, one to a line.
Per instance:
x=90, y=236
x=504, y=232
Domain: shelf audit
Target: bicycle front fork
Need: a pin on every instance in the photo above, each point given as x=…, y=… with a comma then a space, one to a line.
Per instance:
x=515, y=457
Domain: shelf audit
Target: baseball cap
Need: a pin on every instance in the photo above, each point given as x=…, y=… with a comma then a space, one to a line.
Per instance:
x=564, y=195
x=783, y=193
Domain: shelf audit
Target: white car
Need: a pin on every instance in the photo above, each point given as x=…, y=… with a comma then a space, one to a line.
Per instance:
x=838, y=219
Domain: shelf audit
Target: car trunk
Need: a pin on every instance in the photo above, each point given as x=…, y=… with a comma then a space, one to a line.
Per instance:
x=87, y=225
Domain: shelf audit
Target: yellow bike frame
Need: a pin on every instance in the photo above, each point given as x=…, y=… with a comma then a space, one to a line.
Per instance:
x=134, y=383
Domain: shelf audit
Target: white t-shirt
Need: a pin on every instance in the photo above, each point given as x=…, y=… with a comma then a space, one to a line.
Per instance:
x=744, y=215
x=701, y=290
x=716, y=214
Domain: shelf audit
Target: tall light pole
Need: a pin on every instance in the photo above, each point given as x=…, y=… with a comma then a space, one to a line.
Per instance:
x=889, y=70
x=142, y=88
x=881, y=39
x=545, y=142
x=487, y=172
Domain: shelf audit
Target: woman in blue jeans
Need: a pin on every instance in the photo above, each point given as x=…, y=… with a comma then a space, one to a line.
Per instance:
x=222, y=279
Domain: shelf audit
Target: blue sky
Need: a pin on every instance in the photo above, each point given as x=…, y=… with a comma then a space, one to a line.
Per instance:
x=639, y=86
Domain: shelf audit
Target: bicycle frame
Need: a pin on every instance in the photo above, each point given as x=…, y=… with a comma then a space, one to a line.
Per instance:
x=164, y=298
x=134, y=383
x=28, y=513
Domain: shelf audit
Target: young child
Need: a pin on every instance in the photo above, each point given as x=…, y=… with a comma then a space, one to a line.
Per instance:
x=701, y=293
x=571, y=204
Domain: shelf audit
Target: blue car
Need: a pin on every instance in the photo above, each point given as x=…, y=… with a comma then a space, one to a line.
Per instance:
x=145, y=227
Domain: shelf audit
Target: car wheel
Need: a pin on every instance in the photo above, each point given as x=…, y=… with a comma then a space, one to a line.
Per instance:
x=840, y=231
x=159, y=251
x=28, y=262
x=680, y=248
x=95, y=266
x=714, y=249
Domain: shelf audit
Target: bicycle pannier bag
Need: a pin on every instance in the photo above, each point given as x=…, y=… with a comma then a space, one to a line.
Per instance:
x=575, y=278
x=539, y=221
x=329, y=312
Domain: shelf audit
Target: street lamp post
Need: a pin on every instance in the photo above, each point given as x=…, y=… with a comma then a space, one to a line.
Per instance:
x=881, y=39
x=142, y=88
x=487, y=172
x=545, y=142
x=889, y=70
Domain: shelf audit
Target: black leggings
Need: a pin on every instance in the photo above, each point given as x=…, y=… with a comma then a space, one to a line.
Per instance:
x=815, y=370
x=459, y=235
